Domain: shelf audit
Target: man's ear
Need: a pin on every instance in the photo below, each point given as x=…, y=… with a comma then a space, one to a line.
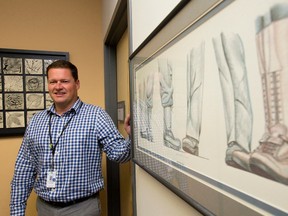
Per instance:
x=78, y=84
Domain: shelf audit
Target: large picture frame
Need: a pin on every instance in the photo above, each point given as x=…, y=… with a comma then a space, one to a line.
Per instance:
x=23, y=86
x=209, y=107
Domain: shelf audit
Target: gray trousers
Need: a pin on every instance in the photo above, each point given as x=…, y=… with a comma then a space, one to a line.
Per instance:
x=90, y=207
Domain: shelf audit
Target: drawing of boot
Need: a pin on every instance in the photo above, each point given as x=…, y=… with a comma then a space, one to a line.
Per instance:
x=166, y=93
x=270, y=159
x=230, y=57
x=237, y=156
x=190, y=145
x=195, y=75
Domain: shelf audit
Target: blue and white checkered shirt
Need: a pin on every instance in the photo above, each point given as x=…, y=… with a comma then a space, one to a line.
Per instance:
x=77, y=158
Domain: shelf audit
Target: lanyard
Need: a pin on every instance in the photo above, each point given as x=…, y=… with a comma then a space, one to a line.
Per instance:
x=53, y=147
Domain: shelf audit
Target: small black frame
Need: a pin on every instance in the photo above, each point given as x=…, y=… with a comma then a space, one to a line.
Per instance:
x=23, y=87
x=121, y=111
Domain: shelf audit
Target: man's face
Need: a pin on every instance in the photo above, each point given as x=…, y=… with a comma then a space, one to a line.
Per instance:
x=62, y=87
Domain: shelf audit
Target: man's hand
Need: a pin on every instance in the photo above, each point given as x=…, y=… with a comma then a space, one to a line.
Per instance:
x=127, y=126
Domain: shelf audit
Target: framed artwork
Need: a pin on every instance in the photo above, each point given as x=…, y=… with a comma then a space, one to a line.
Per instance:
x=23, y=87
x=210, y=109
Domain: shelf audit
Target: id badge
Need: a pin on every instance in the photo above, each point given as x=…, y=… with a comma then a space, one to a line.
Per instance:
x=51, y=179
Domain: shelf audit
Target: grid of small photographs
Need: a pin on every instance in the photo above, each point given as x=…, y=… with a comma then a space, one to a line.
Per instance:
x=23, y=89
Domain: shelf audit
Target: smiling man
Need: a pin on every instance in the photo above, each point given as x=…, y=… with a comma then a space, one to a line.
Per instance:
x=63, y=85
x=60, y=156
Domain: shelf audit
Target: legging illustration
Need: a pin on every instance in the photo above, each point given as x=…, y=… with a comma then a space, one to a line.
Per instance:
x=230, y=57
x=195, y=82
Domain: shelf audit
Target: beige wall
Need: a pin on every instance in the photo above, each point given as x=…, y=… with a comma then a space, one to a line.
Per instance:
x=141, y=24
x=51, y=25
x=153, y=198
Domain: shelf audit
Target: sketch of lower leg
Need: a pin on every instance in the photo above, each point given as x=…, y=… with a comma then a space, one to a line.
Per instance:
x=230, y=57
x=145, y=106
x=166, y=92
x=146, y=130
x=270, y=159
x=142, y=111
x=195, y=72
x=169, y=139
x=149, y=103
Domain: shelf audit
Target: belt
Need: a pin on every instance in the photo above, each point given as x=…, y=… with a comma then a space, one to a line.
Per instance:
x=69, y=203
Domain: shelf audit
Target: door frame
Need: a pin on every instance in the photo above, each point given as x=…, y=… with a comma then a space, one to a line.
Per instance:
x=116, y=29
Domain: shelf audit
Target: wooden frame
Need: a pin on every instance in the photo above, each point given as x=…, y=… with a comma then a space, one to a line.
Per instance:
x=23, y=87
x=166, y=76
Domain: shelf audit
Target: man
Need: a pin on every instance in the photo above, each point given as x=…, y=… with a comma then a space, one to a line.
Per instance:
x=60, y=156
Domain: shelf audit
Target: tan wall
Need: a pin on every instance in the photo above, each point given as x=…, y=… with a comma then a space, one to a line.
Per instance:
x=123, y=95
x=51, y=25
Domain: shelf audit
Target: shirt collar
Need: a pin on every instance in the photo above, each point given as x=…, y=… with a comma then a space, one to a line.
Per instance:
x=75, y=108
